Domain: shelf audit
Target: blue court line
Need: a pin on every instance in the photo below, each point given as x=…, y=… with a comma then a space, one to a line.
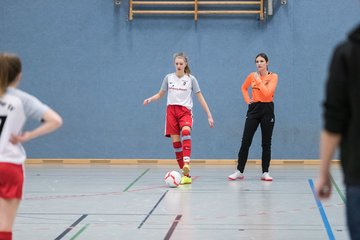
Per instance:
x=322, y=212
x=147, y=216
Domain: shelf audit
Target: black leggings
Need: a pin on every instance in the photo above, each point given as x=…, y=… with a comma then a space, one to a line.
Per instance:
x=263, y=114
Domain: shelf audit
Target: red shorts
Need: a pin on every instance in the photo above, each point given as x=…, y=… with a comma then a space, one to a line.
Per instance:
x=11, y=180
x=176, y=118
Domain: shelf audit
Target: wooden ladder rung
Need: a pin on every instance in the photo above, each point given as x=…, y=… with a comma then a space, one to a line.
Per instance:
x=196, y=5
x=163, y=12
x=229, y=12
x=163, y=2
x=199, y=3
x=228, y=3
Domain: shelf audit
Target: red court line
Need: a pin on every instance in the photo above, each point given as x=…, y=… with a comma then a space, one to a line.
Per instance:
x=72, y=196
x=173, y=226
x=98, y=194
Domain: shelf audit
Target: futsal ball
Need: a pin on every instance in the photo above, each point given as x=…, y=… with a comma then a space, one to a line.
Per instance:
x=172, y=179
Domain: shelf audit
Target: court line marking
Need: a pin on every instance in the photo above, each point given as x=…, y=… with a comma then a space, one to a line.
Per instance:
x=161, y=186
x=322, y=211
x=152, y=210
x=147, y=188
x=162, y=197
x=131, y=184
x=80, y=231
x=197, y=218
x=72, y=196
x=71, y=227
x=173, y=226
x=338, y=189
x=102, y=194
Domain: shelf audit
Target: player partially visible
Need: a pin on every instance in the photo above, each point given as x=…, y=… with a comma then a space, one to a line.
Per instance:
x=16, y=107
x=180, y=86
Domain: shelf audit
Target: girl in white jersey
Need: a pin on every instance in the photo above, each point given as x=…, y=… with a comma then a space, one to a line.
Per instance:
x=180, y=86
x=16, y=107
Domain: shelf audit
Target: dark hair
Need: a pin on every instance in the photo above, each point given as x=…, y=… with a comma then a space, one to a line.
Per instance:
x=183, y=56
x=10, y=68
x=263, y=55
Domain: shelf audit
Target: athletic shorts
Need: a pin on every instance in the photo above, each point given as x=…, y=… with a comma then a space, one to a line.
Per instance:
x=177, y=117
x=11, y=180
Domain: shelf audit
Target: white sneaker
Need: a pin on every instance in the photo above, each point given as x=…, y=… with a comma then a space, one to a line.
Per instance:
x=266, y=177
x=236, y=175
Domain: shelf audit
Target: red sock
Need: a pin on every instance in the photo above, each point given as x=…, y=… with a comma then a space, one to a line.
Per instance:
x=186, y=143
x=5, y=235
x=179, y=154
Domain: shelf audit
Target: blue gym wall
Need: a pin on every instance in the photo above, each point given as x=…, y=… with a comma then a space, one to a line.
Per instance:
x=85, y=59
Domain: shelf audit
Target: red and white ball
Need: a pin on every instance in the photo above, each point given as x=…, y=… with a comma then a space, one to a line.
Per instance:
x=172, y=179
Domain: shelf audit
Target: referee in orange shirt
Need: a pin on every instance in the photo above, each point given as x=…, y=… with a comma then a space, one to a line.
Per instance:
x=260, y=112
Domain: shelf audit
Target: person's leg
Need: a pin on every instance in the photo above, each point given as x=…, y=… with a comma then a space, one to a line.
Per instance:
x=11, y=188
x=186, y=143
x=178, y=150
x=5, y=235
x=251, y=124
x=353, y=211
x=172, y=129
x=267, y=126
x=8, y=209
x=185, y=122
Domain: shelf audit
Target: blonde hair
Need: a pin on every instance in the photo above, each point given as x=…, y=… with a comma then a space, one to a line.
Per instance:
x=10, y=68
x=183, y=56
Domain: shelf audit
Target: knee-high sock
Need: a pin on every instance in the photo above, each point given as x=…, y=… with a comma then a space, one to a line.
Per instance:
x=5, y=235
x=179, y=154
x=186, y=145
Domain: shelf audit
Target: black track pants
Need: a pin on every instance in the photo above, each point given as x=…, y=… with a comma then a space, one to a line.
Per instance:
x=263, y=114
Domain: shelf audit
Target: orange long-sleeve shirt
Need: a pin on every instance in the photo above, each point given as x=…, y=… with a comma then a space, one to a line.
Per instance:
x=263, y=89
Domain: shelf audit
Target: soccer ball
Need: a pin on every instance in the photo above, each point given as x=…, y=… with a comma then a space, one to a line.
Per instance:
x=172, y=179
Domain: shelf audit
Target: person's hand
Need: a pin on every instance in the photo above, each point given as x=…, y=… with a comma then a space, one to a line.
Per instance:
x=15, y=139
x=147, y=101
x=211, y=122
x=323, y=187
x=257, y=77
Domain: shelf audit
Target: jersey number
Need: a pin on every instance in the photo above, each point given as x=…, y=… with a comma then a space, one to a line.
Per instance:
x=2, y=123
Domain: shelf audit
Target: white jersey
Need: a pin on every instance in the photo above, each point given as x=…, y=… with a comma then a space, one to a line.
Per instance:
x=16, y=107
x=180, y=89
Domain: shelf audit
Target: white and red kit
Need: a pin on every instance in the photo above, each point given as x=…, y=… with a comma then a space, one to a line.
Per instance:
x=16, y=107
x=179, y=101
